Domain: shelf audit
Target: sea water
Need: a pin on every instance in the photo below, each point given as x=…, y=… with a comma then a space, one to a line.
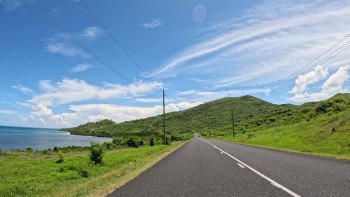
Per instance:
x=19, y=138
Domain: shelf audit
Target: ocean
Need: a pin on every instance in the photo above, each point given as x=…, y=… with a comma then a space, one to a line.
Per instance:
x=19, y=138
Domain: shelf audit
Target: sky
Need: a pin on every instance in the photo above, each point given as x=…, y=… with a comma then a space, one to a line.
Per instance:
x=68, y=62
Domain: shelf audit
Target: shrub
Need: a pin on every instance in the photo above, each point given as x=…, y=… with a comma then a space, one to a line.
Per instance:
x=60, y=158
x=167, y=140
x=96, y=153
x=132, y=142
x=30, y=149
x=323, y=107
x=151, y=141
x=140, y=142
x=305, y=110
x=56, y=149
x=83, y=173
x=118, y=141
x=109, y=145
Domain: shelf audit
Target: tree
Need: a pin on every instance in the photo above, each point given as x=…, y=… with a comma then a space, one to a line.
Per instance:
x=96, y=153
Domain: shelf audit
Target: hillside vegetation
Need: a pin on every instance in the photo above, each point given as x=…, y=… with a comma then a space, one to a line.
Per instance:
x=320, y=127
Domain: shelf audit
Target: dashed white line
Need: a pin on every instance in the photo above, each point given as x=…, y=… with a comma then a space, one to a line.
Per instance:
x=256, y=172
x=240, y=165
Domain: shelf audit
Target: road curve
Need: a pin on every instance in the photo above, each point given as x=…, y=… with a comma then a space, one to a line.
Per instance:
x=216, y=168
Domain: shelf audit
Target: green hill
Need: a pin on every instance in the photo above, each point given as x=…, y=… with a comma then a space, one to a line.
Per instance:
x=256, y=122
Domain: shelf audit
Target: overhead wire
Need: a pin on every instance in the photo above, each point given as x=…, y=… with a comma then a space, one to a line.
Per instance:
x=322, y=61
x=83, y=3
x=68, y=36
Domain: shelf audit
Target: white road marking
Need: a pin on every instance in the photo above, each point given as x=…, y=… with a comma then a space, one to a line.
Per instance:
x=240, y=165
x=257, y=172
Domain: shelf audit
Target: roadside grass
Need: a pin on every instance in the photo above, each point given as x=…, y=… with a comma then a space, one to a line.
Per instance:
x=328, y=135
x=29, y=174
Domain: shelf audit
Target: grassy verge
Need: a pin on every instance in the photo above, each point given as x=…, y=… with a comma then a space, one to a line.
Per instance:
x=32, y=174
x=327, y=136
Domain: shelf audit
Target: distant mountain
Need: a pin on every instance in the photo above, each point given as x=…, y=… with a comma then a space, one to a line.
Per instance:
x=250, y=114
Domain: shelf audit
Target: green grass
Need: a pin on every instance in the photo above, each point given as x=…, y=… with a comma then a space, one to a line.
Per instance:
x=328, y=135
x=35, y=174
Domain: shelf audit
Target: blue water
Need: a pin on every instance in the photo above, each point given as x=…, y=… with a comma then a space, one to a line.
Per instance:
x=19, y=138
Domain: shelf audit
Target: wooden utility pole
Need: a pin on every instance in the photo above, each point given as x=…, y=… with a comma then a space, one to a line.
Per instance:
x=233, y=124
x=164, y=117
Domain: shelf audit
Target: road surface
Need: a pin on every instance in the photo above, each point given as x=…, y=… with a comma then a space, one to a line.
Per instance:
x=216, y=168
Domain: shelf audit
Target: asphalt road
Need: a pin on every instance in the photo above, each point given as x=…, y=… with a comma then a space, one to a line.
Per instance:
x=217, y=168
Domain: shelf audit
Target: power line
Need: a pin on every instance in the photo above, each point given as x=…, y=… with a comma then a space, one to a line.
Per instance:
x=322, y=61
x=110, y=34
x=73, y=40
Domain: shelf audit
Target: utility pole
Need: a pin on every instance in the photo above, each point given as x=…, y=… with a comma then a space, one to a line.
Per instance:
x=164, y=117
x=233, y=124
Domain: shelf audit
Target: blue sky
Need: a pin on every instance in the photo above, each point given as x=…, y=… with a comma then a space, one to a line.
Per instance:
x=197, y=51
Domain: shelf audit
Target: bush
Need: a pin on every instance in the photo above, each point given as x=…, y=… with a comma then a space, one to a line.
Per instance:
x=132, y=142
x=140, y=142
x=46, y=152
x=30, y=149
x=118, y=141
x=60, y=158
x=151, y=141
x=167, y=140
x=83, y=173
x=96, y=153
x=323, y=107
x=109, y=145
x=56, y=149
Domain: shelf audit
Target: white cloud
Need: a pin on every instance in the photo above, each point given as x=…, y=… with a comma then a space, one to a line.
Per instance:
x=44, y=115
x=68, y=91
x=81, y=67
x=73, y=90
x=333, y=85
x=186, y=105
x=335, y=82
x=268, y=43
x=23, y=89
x=7, y=112
x=205, y=96
x=64, y=48
x=92, y=32
x=149, y=100
x=59, y=44
x=153, y=24
x=303, y=81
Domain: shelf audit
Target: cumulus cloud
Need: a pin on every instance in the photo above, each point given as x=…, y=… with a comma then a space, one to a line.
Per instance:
x=333, y=85
x=314, y=76
x=153, y=24
x=69, y=91
x=44, y=115
x=81, y=67
x=73, y=90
